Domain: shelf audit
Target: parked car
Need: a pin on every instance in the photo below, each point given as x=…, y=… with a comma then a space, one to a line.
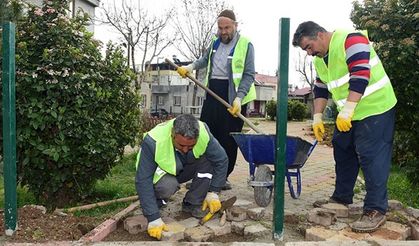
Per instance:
x=159, y=113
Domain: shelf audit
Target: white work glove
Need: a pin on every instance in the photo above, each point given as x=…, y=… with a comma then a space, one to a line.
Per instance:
x=185, y=70
x=156, y=227
x=237, y=104
x=212, y=202
x=343, y=121
x=318, y=126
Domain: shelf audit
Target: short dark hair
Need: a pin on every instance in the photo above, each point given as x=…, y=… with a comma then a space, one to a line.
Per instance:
x=308, y=29
x=186, y=125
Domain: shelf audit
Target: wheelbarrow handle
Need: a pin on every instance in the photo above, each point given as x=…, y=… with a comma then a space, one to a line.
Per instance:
x=251, y=125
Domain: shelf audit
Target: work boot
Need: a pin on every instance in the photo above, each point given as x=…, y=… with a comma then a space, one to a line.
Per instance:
x=194, y=210
x=161, y=203
x=370, y=221
x=227, y=186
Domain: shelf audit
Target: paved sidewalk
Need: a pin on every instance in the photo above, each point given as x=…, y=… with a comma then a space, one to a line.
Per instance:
x=317, y=175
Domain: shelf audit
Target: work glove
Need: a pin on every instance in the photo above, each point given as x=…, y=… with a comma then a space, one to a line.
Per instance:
x=237, y=104
x=318, y=127
x=212, y=202
x=183, y=71
x=343, y=121
x=156, y=227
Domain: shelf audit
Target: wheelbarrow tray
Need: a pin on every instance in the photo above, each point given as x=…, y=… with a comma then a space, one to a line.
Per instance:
x=259, y=149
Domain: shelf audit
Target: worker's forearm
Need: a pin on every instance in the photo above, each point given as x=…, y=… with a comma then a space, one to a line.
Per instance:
x=319, y=105
x=354, y=96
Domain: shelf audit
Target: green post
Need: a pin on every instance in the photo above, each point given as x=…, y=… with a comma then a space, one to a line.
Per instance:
x=281, y=127
x=9, y=128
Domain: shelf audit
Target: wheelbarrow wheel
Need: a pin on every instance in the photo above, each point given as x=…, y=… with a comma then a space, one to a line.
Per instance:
x=263, y=194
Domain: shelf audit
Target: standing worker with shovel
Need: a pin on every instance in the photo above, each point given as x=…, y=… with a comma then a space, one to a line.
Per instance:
x=230, y=74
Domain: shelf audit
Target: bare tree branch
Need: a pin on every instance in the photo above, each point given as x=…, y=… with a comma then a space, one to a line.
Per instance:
x=143, y=34
x=304, y=66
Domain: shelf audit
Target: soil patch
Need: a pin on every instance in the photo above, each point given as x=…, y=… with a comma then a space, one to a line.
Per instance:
x=36, y=226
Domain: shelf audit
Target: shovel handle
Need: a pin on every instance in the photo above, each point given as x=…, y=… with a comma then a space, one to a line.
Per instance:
x=248, y=122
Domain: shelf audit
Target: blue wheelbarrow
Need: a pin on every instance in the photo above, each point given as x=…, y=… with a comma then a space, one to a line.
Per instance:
x=259, y=149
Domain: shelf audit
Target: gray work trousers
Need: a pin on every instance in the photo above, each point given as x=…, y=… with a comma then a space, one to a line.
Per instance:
x=200, y=171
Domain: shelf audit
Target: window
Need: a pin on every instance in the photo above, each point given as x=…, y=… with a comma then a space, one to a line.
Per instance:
x=160, y=100
x=177, y=100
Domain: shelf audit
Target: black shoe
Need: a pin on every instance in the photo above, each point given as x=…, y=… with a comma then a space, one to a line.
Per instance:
x=194, y=210
x=227, y=186
x=161, y=203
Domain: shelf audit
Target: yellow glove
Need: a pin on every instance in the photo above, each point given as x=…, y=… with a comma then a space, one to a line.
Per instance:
x=185, y=70
x=212, y=202
x=237, y=104
x=318, y=127
x=343, y=121
x=156, y=227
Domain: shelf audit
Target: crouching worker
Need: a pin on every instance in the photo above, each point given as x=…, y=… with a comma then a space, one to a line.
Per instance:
x=175, y=152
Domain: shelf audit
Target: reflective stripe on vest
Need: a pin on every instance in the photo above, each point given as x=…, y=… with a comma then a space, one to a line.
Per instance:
x=164, y=154
x=238, y=60
x=378, y=96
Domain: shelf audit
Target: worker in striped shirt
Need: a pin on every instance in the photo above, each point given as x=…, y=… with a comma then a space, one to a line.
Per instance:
x=348, y=68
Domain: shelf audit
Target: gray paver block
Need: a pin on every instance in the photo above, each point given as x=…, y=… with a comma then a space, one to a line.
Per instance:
x=242, y=203
x=236, y=214
x=189, y=222
x=135, y=224
x=198, y=234
x=394, y=205
x=174, y=233
x=321, y=216
x=256, y=213
x=218, y=230
x=341, y=210
x=256, y=231
x=413, y=212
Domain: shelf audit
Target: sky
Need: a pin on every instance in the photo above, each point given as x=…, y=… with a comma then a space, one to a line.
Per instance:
x=259, y=21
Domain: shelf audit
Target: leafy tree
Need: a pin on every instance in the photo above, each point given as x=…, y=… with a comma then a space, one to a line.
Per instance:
x=271, y=109
x=393, y=28
x=75, y=110
x=296, y=110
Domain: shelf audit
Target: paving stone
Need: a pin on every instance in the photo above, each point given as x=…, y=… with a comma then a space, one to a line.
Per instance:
x=338, y=226
x=356, y=208
x=391, y=231
x=321, y=216
x=251, y=244
x=257, y=230
x=198, y=234
x=135, y=224
x=291, y=217
x=341, y=210
x=395, y=205
x=238, y=227
x=175, y=232
x=414, y=227
x=413, y=212
x=236, y=214
x=189, y=222
x=256, y=213
x=319, y=234
x=330, y=243
x=218, y=230
x=242, y=203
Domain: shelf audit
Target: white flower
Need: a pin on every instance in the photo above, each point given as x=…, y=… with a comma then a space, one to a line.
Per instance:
x=38, y=12
x=64, y=73
x=34, y=75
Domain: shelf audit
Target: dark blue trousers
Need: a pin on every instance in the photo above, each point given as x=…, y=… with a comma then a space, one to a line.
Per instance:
x=368, y=145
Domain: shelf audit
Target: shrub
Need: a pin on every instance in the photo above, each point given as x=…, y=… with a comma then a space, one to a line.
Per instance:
x=75, y=110
x=271, y=109
x=296, y=110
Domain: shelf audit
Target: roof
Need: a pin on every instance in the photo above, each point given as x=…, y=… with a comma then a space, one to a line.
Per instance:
x=266, y=80
x=301, y=92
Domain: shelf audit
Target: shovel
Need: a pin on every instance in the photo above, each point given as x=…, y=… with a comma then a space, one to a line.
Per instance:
x=248, y=122
x=224, y=205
